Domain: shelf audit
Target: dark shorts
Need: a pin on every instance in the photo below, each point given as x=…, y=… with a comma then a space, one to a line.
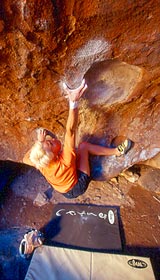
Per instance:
x=80, y=187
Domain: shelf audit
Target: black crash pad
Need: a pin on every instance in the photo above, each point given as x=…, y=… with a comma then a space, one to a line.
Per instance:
x=85, y=226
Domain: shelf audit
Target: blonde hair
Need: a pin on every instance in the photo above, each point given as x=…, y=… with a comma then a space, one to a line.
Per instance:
x=39, y=157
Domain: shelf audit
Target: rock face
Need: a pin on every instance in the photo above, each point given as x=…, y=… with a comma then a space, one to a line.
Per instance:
x=113, y=44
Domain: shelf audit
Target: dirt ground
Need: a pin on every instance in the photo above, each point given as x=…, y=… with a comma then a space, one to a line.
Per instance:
x=29, y=201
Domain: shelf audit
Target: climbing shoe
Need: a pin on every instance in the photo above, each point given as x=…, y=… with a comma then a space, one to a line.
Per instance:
x=30, y=241
x=124, y=147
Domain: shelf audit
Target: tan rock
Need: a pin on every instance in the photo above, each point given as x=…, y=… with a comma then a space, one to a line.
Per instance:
x=115, y=46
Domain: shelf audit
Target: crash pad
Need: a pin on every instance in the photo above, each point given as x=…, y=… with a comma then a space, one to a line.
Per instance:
x=55, y=263
x=84, y=226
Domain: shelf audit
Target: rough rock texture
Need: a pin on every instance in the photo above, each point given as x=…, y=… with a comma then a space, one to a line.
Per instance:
x=114, y=44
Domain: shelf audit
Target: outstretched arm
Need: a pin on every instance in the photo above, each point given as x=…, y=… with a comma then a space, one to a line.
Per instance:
x=73, y=95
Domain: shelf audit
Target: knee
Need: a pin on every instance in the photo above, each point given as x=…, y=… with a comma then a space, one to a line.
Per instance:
x=83, y=146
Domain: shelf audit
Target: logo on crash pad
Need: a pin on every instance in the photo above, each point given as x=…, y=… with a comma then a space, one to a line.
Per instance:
x=111, y=217
x=137, y=263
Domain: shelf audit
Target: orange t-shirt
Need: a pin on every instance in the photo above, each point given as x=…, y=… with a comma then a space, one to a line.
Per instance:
x=61, y=174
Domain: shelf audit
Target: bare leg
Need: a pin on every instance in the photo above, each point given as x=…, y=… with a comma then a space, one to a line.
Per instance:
x=86, y=148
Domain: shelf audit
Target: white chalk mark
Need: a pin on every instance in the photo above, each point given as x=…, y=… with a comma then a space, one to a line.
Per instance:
x=22, y=7
x=92, y=48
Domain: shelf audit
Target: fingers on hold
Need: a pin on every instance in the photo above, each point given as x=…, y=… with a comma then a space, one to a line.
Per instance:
x=85, y=87
x=83, y=82
x=64, y=85
x=82, y=86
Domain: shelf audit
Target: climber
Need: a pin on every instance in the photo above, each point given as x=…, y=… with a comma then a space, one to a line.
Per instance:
x=66, y=169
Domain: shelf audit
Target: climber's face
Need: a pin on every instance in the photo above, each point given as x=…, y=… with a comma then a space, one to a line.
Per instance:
x=52, y=145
